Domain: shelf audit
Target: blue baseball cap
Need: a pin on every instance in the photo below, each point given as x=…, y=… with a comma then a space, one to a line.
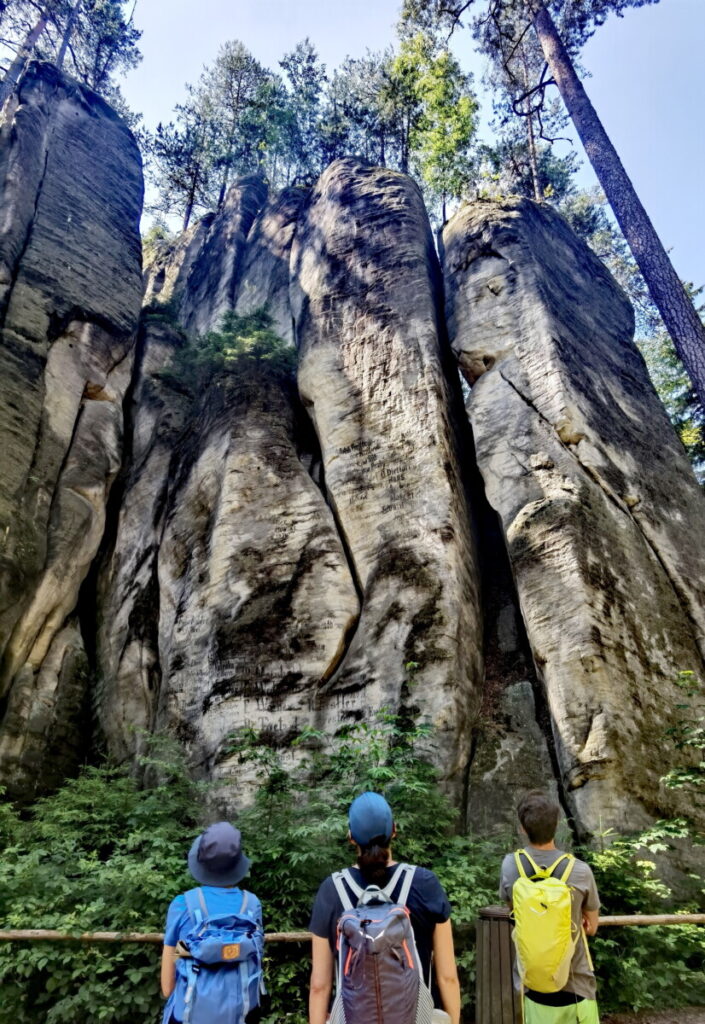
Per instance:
x=216, y=856
x=370, y=817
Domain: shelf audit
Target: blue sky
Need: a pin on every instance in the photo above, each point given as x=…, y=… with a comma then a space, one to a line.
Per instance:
x=646, y=81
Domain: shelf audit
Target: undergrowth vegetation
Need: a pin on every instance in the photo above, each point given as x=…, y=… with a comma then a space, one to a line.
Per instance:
x=105, y=854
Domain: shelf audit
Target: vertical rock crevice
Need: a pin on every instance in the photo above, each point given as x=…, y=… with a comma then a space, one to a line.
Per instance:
x=372, y=375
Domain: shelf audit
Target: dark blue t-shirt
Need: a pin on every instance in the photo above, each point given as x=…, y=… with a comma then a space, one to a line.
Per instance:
x=427, y=904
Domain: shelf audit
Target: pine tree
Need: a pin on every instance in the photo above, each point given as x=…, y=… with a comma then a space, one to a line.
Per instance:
x=500, y=29
x=93, y=40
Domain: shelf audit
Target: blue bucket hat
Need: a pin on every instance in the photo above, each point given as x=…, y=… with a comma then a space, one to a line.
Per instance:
x=370, y=817
x=216, y=856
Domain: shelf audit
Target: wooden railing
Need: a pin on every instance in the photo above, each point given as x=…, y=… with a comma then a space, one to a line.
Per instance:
x=47, y=935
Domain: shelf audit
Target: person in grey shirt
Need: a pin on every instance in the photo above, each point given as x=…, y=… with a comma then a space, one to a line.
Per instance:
x=538, y=817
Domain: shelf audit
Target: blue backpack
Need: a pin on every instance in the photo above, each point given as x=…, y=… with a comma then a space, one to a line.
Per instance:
x=219, y=969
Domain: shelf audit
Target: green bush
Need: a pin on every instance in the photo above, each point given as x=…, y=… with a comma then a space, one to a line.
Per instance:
x=101, y=854
x=641, y=967
x=243, y=345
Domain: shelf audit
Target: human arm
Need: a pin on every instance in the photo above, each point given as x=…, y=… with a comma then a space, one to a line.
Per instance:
x=591, y=905
x=168, y=975
x=591, y=919
x=446, y=970
x=321, y=980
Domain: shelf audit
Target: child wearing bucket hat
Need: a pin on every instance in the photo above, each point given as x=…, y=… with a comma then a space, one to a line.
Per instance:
x=382, y=924
x=213, y=941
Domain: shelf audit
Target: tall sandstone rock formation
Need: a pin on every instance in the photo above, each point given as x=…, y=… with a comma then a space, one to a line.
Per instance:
x=198, y=550
x=599, y=507
x=261, y=574
x=372, y=375
x=70, y=290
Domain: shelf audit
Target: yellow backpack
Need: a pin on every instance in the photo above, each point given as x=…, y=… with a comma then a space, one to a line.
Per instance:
x=543, y=926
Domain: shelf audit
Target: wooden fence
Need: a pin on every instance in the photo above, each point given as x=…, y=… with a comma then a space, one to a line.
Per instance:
x=156, y=938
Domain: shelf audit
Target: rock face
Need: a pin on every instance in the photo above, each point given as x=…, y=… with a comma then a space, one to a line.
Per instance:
x=70, y=289
x=265, y=272
x=199, y=275
x=197, y=547
x=598, y=504
x=371, y=375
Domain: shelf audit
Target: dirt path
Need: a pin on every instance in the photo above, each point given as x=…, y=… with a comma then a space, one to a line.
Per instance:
x=694, y=1015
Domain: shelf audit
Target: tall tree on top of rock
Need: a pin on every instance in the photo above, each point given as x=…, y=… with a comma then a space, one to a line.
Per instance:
x=231, y=87
x=441, y=116
x=306, y=78
x=93, y=39
x=500, y=28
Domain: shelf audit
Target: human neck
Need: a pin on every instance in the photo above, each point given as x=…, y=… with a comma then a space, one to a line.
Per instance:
x=544, y=846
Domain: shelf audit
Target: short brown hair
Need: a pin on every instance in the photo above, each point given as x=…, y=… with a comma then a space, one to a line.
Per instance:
x=538, y=815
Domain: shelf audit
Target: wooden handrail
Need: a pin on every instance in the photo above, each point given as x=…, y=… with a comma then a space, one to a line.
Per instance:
x=47, y=935
x=156, y=938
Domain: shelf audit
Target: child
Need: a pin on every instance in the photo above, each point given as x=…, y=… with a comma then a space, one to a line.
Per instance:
x=538, y=816
x=217, y=862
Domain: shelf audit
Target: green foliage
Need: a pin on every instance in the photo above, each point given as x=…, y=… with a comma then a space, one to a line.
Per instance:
x=687, y=732
x=644, y=967
x=101, y=854
x=94, y=40
x=243, y=344
x=442, y=116
x=678, y=396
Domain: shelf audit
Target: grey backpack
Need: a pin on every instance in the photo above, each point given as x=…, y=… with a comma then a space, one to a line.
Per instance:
x=379, y=974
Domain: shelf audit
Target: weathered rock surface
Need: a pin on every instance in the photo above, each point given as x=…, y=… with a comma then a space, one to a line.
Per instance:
x=264, y=281
x=372, y=377
x=598, y=503
x=199, y=274
x=70, y=288
x=128, y=596
x=226, y=598
x=256, y=598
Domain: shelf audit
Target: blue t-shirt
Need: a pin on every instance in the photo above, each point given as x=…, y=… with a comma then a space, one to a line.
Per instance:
x=219, y=901
x=427, y=904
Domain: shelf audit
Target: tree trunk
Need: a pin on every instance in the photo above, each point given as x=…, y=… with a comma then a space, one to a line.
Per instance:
x=223, y=186
x=68, y=32
x=15, y=69
x=530, y=138
x=666, y=289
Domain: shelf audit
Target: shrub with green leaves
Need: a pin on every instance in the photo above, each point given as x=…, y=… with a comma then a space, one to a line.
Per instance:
x=241, y=347
x=101, y=854
x=641, y=967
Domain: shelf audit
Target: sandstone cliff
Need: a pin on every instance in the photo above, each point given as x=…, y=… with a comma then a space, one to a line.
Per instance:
x=198, y=550
x=598, y=503
x=70, y=289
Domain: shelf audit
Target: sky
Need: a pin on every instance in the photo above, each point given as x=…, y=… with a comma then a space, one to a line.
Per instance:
x=647, y=82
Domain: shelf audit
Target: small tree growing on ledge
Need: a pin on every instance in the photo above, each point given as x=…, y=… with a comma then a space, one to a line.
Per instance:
x=242, y=343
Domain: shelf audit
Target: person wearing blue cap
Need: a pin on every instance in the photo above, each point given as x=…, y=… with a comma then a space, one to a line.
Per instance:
x=417, y=889
x=217, y=862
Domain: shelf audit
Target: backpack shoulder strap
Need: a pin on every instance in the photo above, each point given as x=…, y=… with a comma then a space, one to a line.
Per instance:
x=571, y=861
x=339, y=880
x=409, y=871
x=243, y=904
x=196, y=906
x=520, y=867
x=391, y=884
